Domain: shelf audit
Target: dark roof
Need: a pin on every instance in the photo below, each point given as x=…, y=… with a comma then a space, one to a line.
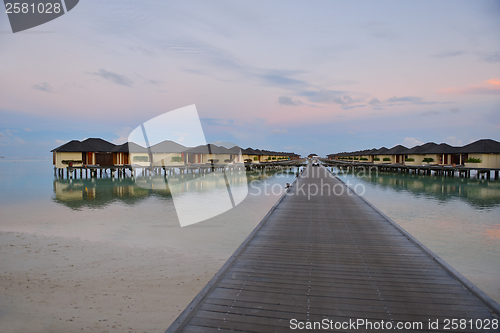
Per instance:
x=485, y=146
x=369, y=151
x=269, y=152
x=130, y=147
x=209, y=149
x=421, y=149
x=168, y=146
x=72, y=146
x=95, y=145
x=236, y=150
x=397, y=150
x=102, y=146
x=379, y=151
x=442, y=148
x=259, y=152
x=250, y=151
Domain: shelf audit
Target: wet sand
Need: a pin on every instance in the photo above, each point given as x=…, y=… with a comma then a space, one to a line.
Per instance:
x=56, y=284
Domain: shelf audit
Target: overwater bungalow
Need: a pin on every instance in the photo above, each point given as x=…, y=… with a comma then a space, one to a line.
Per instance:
x=211, y=153
x=482, y=154
x=364, y=156
x=380, y=156
x=250, y=156
x=100, y=155
x=397, y=154
x=441, y=154
x=237, y=152
x=415, y=155
x=92, y=151
x=168, y=153
x=263, y=155
x=130, y=153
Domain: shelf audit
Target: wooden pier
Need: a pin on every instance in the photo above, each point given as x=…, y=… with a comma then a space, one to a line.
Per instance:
x=95, y=171
x=432, y=169
x=331, y=258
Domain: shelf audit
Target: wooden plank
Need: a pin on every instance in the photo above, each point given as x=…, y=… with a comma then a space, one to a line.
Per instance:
x=348, y=310
x=334, y=257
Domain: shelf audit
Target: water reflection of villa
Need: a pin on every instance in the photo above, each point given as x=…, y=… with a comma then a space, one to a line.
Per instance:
x=479, y=194
x=100, y=192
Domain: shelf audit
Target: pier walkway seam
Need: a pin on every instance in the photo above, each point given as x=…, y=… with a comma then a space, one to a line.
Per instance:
x=333, y=257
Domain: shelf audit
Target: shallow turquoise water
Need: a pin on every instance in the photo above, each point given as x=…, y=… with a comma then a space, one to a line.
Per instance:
x=458, y=219
x=32, y=200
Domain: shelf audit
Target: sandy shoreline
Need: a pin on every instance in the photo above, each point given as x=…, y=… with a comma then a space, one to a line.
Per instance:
x=56, y=284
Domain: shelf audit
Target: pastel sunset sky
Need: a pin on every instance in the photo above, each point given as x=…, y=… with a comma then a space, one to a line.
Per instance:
x=303, y=76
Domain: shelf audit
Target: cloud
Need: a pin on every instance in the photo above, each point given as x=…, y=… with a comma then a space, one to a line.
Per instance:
x=374, y=101
x=490, y=87
x=28, y=130
x=342, y=98
x=114, y=77
x=409, y=100
x=453, y=141
x=181, y=137
x=143, y=50
x=195, y=71
x=380, y=30
x=430, y=113
x=221, y=122
x=61, y=142
x=122, y=134
x=44, y=86
x=491, y=57
x=279, y=131
x=494, y=81
x=353, y=107
x=282, y=79
x=411, y=142
x=155, y=82
x=293, y=148
x=455, y=110
x=448, y=54
x=472, y=91
x=285, y=100
x=9, y=139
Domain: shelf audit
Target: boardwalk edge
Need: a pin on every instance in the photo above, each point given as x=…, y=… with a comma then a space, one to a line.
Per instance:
x=193, y=306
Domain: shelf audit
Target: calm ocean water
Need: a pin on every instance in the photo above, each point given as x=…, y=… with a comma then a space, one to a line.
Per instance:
x=32, y=200
x=458, y=219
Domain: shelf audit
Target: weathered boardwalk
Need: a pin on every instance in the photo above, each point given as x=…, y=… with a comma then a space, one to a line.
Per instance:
x=334, y=257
